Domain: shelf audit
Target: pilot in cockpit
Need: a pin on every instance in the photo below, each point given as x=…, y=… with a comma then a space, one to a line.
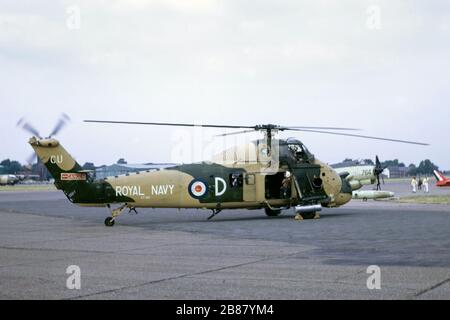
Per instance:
x=297, y=152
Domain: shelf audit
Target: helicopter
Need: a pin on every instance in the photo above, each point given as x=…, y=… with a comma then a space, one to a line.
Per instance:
x=243, y=183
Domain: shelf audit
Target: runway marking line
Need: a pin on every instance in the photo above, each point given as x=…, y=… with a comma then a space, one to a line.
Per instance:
x=437, y=285
x=185, y=275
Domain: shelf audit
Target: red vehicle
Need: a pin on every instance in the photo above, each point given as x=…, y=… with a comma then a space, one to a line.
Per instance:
x=442, y=181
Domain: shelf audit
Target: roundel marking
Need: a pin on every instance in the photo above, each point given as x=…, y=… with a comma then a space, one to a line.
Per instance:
x=197, y=189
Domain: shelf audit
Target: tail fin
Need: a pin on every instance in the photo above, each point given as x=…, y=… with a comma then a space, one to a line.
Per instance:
x=439, y=176
x=79, y=186
x=68, y=174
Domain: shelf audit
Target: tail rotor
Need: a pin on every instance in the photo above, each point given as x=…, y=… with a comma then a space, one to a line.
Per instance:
x=63, y=120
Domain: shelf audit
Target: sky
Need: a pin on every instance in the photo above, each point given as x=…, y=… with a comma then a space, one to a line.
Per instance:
x=380, y=66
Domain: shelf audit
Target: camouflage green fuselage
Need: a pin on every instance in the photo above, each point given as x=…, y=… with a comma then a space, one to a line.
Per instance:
x=199, y=185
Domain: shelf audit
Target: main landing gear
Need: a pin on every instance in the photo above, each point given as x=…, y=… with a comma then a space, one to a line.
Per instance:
x=109, y=221
x=272, y=212
x=214, y=213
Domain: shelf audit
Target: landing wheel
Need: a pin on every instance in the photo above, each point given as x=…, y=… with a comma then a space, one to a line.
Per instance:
x=272, y=213
x=307, y=215
x=109, y=222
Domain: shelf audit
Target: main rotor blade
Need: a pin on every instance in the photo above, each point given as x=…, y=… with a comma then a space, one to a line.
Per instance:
x=233, y=133
x=257, y=127
x=173, y=124
x=361, y=136
x=284, y=128
x=317, y=128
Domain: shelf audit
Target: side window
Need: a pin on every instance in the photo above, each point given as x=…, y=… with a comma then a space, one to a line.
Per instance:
x=236, y=180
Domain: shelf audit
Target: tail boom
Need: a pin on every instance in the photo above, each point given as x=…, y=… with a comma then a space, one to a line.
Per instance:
x=77, y=184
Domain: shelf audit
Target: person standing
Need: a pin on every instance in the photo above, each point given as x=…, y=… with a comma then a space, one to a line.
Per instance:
x=286, y=185
x=414, y=184
x=426, y=185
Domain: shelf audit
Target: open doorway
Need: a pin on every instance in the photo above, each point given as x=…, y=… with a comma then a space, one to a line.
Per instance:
x=273, y=185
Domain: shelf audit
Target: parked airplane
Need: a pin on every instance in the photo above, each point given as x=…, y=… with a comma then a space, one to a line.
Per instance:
x=442, y=181
x=8, y=179
x=12, y=179
x=360, y=174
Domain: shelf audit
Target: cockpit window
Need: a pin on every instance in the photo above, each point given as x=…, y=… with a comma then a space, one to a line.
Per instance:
x=299, y=152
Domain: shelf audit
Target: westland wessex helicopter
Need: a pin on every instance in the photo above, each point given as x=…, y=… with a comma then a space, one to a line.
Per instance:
x=246, y=182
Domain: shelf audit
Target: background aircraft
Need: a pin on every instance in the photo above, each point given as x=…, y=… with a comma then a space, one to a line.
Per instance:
x=442, y=181
x=8, y=179
x=360, y=174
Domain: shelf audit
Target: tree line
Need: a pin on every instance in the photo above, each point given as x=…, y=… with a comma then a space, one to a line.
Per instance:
x=8, y=166
x=425, y=167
